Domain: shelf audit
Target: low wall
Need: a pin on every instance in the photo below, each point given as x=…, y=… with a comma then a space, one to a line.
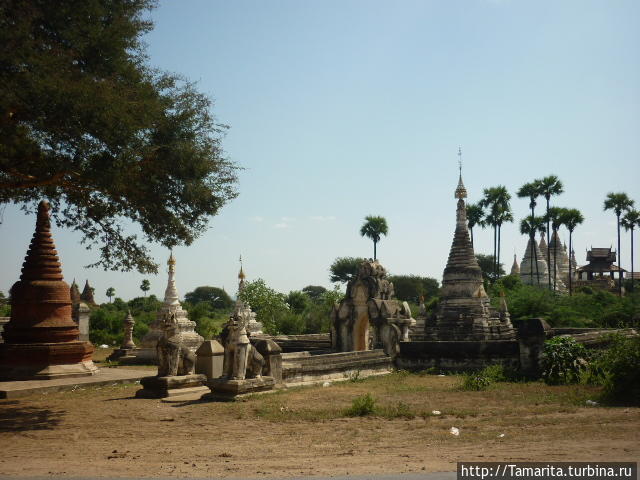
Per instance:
x=300, y=343
x=303, y=368
x=457, y=356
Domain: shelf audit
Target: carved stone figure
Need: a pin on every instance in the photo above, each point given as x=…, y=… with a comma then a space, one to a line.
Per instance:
x=241, y=359
x=174, y=357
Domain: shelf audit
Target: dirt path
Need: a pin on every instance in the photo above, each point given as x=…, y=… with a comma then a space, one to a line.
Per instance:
x=106, y=432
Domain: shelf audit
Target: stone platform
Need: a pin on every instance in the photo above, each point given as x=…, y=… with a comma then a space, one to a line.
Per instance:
x=223, y=389
x=105, y=376
x=306, y=368
x=161, y=387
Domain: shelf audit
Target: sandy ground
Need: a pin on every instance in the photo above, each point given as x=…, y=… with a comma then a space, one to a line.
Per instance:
x=106, y=432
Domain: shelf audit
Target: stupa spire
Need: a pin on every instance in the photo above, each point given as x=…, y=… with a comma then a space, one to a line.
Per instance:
x=41, y=262
x=171, y=292
x=241, y=277
x=515, y=268
x=461, y=191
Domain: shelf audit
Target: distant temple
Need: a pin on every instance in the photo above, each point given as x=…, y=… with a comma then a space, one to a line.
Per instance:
x=600, y=271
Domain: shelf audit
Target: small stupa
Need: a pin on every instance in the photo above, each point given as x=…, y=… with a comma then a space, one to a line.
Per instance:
x=253, y=326
x=75, y=293
x=41, y=339
x=171, y=305
x=464, y=311
x=87, y=294
x=531, y=274
x=515, y=268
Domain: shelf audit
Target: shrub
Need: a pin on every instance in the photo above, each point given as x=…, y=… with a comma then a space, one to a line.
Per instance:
x=362, y=406
x=618, y=370
x=475, y=381
x=563, y=361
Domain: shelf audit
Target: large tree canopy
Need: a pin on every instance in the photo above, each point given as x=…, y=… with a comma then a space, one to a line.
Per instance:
x=87, y=124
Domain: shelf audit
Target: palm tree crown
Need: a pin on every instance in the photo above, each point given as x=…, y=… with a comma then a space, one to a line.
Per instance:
x=530, y=190
x=618, y=202
x=630, y=220
x=531, y=225
x=550, y=186
x=571, y=218
x=373, y=228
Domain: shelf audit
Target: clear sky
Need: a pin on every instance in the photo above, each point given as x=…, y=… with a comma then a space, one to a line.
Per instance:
x=342, y=109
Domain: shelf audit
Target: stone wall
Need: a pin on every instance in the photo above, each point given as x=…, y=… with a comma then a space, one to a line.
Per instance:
x=457, y=355
x=299, y=343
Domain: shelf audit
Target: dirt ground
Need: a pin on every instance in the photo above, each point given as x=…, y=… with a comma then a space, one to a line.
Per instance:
x=304, y=431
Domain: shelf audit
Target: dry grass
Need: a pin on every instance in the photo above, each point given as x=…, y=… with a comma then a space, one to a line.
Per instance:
x=305, y=431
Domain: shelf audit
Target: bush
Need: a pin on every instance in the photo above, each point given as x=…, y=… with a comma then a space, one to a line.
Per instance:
x=563, y=361
x=362, y=406
x=618, y=370
x=475, y=381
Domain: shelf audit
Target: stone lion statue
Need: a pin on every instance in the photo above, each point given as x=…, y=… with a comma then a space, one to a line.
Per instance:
x=174, y=358
x=241, y=359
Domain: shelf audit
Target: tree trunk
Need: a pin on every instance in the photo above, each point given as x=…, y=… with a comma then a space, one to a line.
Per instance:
x=471, y=232
x=374, y=250
x=548, y=243
x=495, y=245
x=570, y=250
x=498, y=260
x=619, y=260
x=555, y=266
x=632, y=279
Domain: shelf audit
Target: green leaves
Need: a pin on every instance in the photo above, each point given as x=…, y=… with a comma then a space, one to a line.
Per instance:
x=86, y=124
x=563, y=361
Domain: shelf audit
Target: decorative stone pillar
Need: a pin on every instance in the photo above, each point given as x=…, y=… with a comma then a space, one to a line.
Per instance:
x=41, y=339
x=81, y=314
x=127, y=340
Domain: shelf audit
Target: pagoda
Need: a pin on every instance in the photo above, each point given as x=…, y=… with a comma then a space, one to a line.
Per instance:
x=87, y=294
x=74, y=291
x=41, y=339
x=464, y=311
x=533, y=268
x=515, y=268
x=171, y=306
x=253, y=326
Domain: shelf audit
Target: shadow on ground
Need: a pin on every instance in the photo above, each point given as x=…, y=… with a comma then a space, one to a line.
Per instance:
x=17, y=418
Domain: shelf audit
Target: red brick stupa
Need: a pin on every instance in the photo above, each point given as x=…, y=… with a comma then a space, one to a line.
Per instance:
x=41, y=339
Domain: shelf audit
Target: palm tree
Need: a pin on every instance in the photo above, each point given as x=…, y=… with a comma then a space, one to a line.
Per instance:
x=549, y=186
x=571, y=218
x=110, y=293
x=630, y=220
x=531, y=190
x=555, y=216
x=618, y=202
x=373, y=228
x=145, y=286
x=475, y=214
x=497, y=200
x=530, y=226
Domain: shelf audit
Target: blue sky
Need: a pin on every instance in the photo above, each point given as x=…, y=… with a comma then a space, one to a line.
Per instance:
x=342, y=109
